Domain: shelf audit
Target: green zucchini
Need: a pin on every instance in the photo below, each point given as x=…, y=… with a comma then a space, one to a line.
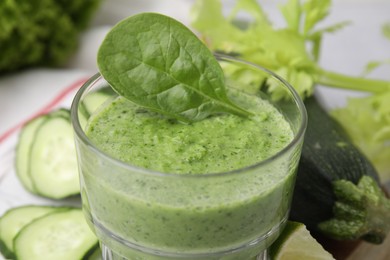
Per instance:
x=337, y=190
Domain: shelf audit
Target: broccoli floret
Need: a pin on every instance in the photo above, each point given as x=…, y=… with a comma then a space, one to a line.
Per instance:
x=41, y=32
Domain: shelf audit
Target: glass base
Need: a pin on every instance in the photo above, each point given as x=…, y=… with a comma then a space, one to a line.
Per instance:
x=108, y=254
x=116, y=248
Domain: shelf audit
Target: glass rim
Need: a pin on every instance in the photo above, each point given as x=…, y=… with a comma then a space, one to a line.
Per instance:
x=298, y=136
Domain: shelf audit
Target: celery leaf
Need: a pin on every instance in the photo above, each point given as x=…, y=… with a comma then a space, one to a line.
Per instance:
x=367, y=122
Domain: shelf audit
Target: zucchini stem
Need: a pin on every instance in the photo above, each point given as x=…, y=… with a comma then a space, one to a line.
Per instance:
x=361, y=211
x=337, y=80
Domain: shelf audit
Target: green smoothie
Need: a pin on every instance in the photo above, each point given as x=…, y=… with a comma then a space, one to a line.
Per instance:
x=215, y=196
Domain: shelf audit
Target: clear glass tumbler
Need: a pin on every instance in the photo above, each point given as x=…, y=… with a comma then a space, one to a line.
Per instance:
x=142, y=214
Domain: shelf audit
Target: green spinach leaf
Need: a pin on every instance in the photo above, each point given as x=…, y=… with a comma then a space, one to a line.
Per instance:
x=158, y=63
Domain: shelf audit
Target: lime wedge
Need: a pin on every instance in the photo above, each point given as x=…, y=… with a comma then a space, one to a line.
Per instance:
x=296, y=243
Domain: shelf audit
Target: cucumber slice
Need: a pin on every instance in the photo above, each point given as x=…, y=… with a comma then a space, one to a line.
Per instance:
x=59, y=235
x=14, y=220
x=62, y=112
x=53, y=163
x=23, y=151
x=94, y=100
x=26, y=158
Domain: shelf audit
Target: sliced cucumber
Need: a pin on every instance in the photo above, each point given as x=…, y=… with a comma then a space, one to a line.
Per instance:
x=95, y=99
x=62, y=112
x=53, y=163
x=92, y=102
x=23, y=151
x=45, y=160
x=14, y=220
x=58, y=235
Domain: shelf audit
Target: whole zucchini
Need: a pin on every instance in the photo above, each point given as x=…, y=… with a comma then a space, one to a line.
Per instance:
x=337, y=190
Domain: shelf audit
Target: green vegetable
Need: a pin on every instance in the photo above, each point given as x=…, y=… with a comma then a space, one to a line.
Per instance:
x=45, y=157
x=158, y=63
x=283, y=50
x=375, y=64
x=293, y=53
x=41, y=32
x=23, y=152
x=337, y=190
x=367, y=121
x=361, y=210
x=14, y=220
x=91, y=102
x=62, y=234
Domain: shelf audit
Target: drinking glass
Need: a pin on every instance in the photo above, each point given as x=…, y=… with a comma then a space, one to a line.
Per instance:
x=139, y=213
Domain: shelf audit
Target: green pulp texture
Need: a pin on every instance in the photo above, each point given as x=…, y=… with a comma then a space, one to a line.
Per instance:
x=216, y=144
x=191, y=210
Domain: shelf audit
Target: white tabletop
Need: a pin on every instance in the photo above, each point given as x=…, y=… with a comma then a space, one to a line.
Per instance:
x=347, y=51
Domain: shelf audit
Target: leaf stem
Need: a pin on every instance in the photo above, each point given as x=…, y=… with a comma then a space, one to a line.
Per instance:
x=333, y=79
